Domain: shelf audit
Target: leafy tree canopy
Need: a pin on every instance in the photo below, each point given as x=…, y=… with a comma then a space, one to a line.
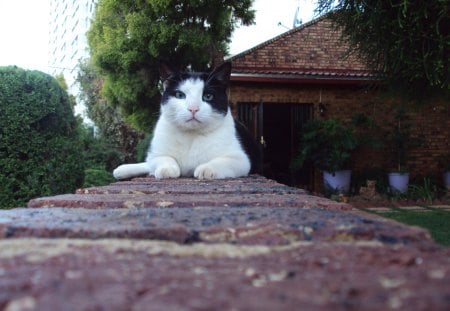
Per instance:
x=128, y=38
x=407, y=41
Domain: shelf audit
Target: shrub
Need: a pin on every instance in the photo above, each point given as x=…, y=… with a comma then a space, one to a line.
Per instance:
x=39, y=142
x=101, y=157
x=97, y=176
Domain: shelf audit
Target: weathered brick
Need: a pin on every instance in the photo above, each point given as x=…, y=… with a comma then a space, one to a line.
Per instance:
x=244, y=257
x=185, y=192
x=246, y=225
x=59, y=274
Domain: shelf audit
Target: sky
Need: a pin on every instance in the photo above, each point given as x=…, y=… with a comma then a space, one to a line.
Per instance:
x=24, y=29
x=24, y=33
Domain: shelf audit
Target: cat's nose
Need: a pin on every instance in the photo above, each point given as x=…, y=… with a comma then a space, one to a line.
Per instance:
x=193, y=109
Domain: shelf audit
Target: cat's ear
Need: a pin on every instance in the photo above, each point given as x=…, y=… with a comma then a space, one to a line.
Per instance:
x=166, y=70
x=221, y=73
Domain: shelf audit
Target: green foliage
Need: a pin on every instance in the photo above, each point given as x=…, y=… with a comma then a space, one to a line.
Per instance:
x=98, y=151
x=100, y=158
x=407, y=41
x=128, y=38
x=426, y=191
x=142, y=147
x=39, y=141
x=111, y=127
x=327, y=144
x=97, y=176
x=63, y=84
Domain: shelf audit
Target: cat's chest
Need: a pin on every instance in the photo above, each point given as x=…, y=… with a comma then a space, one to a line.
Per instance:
x=194, y=148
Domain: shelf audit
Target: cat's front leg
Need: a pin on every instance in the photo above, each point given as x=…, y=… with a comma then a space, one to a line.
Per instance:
x=223, y=167
x=164, y=167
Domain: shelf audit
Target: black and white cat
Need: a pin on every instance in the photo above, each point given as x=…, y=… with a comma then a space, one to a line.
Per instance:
x=196, y=134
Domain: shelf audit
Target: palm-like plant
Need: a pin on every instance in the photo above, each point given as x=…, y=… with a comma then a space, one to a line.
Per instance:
x=327, y=144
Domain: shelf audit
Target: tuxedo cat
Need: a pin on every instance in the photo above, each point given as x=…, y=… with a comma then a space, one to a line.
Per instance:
x=196, y=134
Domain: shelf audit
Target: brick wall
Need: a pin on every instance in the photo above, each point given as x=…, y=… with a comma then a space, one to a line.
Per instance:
x=430, y=126
x=316, y=60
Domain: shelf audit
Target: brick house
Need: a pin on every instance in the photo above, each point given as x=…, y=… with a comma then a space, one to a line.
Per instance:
x=307, y=73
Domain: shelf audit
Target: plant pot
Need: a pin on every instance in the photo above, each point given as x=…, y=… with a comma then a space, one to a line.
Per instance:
x=338, y=181
x=447, y=180
x=398, y=182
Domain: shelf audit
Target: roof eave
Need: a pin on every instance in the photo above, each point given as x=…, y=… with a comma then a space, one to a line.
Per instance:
x=302, y=79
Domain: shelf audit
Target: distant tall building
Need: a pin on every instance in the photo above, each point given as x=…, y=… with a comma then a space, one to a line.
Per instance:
x=69, y=22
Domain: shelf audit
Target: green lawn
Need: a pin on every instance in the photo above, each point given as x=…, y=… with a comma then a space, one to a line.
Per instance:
x=436, y=221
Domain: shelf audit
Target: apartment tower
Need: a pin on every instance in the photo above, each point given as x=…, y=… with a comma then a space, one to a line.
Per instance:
x=69, y=23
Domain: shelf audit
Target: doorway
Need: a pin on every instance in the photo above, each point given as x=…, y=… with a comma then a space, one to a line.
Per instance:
x=276, y=127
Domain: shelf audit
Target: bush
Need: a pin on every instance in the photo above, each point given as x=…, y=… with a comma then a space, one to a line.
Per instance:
x=40, y=151
x=100, y=156
x=97, y=176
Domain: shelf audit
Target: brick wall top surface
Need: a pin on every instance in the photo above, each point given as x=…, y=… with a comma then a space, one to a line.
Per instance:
x=184, y=244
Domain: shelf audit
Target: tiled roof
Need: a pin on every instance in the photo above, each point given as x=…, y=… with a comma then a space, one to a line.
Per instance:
x=314, y=50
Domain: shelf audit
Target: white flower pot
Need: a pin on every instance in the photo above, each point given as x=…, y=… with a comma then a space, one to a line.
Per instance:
x=447, y=179
x=398, y=182
x=338, y=181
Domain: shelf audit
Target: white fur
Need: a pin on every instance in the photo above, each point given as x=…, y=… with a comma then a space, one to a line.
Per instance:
x=206, y=147
x=130, y=170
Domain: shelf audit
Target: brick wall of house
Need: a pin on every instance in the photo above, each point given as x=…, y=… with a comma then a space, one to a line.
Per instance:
x=430, y=126
x=315, y=60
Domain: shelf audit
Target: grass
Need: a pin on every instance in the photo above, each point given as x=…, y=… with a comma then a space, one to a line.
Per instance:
x=435, y=221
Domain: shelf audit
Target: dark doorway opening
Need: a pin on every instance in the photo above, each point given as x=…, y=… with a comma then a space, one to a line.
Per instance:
x=276, y=128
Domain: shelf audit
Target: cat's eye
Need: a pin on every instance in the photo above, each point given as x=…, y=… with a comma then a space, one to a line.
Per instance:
x=208, y=97
x=180, y=95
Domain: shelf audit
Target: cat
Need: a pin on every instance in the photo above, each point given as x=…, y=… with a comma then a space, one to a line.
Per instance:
x=196, y=134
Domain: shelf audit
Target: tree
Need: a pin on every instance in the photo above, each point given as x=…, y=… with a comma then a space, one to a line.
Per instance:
x=406, y=41
x=63, y=84
x=39, y=142
x=112, y=129
x=128, y=38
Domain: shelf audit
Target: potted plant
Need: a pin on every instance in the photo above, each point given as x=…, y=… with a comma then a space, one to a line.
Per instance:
x=400, y=138
x=444, y=162
x=327, y=144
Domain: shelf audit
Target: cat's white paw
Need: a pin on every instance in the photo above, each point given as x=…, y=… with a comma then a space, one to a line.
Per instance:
x=170, y=171
x=204, y=171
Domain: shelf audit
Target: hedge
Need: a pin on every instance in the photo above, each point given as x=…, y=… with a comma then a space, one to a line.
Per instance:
x=40, y=150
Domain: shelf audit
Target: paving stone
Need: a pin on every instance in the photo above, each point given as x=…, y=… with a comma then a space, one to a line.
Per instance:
x=379, y=209
x=413, y=208
x=443, y=207
x=61, y=274
x=244, y=225
x=188, y=192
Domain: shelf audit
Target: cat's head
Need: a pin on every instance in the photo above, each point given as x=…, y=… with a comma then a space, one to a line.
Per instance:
x=195, y=100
